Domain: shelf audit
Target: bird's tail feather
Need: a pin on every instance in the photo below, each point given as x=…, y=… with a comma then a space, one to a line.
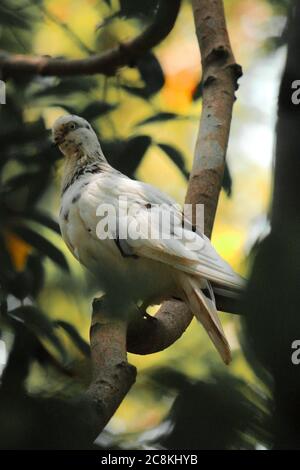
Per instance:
x=226, y=292
x=206, y=313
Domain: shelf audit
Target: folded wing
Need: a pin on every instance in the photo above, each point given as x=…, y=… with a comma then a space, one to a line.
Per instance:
x=150, y=235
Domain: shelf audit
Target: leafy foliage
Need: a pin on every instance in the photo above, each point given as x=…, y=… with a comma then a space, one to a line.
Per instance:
x=197, y=93
x=227, y=181
x=152, y=75
x=217, y=414
x=176, y=157
x=159, y=117
x=134, y=8
x=127, y=154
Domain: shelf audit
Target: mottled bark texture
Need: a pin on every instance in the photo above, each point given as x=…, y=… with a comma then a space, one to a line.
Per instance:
x=112, y=374
x=147, y=336
x=220, y=73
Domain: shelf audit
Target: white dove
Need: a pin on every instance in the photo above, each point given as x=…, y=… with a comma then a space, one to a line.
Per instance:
x=148, y=269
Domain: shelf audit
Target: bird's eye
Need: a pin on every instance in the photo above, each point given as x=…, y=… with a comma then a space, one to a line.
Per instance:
x=72, y=126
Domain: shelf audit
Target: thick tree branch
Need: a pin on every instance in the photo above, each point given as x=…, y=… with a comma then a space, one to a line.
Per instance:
x=112, y=374
x=106, y=63
x=146, y=336
x=220, y=73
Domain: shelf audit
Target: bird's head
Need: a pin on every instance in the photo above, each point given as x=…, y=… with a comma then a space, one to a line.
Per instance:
x=74, y=135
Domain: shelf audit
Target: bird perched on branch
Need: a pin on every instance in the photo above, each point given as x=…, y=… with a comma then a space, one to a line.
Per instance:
x=147, y=269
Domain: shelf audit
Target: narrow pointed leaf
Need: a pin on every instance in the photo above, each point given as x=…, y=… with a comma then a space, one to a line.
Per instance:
x=175, y=155
x=43, y=219
x=75, y=336
x=227, y=181
x=43, y=245
x=159, y=117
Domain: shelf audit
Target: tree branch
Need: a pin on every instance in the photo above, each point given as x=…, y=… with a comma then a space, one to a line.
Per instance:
x=112, y=374
x=220, y=73
x=106, y=63
x=146, y=336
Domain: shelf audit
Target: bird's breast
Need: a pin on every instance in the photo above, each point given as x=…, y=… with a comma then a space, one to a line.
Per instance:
x=140, y=278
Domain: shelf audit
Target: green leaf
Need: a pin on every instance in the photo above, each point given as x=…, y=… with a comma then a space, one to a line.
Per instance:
x=131, y=8
x=20, y=285
x=159, y=117
x=12, y=19
x=135, y=90
x=82, y=345
x=219, y=413
x=68, y=86
x=133, y=153
x=31, y=185
x=23, y=133
x=170, y=378
x=198, y=91
x=227, y=181
x=67, y=107
x=176, y=157
x=151, y=74
x=3, y=303
x=6, y=265
x=127, y=155
x=96, y=109
x=20, y=180
x=35, y=269
x=37, y=322
x=42, y=218
x=43, y=245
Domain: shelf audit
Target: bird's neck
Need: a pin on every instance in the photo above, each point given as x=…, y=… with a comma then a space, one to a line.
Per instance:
x=81, y=162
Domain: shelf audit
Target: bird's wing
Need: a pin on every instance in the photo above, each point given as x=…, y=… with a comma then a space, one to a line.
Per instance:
x=190, y=252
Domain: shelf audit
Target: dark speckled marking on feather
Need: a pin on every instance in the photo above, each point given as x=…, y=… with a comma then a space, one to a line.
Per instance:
x=125, y=254
x=66, y=216
x=92, y=168
x=185, y=223
x=76, y=198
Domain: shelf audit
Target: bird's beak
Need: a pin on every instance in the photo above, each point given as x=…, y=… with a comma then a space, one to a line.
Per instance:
x=57, y=140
